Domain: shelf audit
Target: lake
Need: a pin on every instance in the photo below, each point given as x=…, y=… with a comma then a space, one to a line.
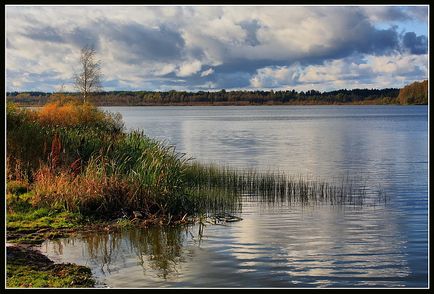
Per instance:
x=382, y=244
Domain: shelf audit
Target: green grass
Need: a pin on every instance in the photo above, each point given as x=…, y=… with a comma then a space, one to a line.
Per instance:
x=26, y=268
x=27, y=224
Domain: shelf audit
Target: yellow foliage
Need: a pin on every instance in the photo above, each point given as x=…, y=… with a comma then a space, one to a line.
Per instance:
x=415, y=93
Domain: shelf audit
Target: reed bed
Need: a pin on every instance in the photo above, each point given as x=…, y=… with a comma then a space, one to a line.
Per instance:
x=278, y=187
x=87, y=163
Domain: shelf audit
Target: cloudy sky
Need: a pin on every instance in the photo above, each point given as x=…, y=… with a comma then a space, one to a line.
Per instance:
x=219, y=47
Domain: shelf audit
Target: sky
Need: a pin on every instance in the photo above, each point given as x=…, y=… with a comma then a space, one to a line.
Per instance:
x=209, y=48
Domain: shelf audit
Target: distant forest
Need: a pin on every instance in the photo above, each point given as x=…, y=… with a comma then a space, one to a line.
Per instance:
x=416, y=93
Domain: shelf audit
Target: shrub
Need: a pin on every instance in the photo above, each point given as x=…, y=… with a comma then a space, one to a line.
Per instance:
x=81, y=128
x=74, y=114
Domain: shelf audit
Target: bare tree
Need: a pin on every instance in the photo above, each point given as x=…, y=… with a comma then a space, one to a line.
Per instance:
x=88, y=80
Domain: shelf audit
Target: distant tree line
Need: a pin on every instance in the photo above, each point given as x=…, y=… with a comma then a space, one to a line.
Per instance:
x=383, y=96
x=223, y=97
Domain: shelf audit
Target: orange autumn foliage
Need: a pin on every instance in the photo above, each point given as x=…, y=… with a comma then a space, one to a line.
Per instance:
x=69, y=114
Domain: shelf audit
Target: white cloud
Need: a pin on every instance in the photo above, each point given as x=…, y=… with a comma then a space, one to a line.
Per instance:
x=395, y=13
x=368, y=72
x=399, y=64
x=276, y=76
x=189, y=68
x=207, y=72
x=164, y=69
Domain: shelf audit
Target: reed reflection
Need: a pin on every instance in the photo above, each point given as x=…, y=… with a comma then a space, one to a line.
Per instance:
x=157, y=249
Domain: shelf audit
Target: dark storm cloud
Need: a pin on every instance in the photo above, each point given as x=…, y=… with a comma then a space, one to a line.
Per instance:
x=137, y=42
x=218, y=80
x=376, y=42
x=356, y=33
x=142, y=43
x=33, y=81
x=396, y=14
x=37, y=77
x=415, y=44
x=77, y=36
x=112, y=84
x=362, y=40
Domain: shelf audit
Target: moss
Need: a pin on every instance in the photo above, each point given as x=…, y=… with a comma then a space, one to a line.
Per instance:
x=27, y=224
x=29, y=268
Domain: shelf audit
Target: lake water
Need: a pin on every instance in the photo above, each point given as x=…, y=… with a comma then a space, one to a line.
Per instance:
x=278, y=244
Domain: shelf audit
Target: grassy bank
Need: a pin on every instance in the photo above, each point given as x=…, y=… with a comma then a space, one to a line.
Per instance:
x=33, y=225
x=77, y=158
x=27, y=268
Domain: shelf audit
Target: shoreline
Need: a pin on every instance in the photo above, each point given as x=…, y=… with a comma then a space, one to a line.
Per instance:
x=28, y=267
x=37, y=270
x=230, y=104
x=37, y=235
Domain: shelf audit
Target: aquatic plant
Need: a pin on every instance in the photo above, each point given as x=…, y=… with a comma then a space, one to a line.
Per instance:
x=275, y=186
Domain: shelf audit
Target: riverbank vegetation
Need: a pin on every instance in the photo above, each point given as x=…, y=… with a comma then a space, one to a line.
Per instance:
x=76, y=157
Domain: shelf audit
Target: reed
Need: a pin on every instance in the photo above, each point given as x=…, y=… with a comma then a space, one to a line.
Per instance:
x=78, y=158
x=278, y=187
x=82, y=129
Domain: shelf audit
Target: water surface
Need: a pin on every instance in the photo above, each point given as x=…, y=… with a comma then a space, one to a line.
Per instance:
x=281, y=244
